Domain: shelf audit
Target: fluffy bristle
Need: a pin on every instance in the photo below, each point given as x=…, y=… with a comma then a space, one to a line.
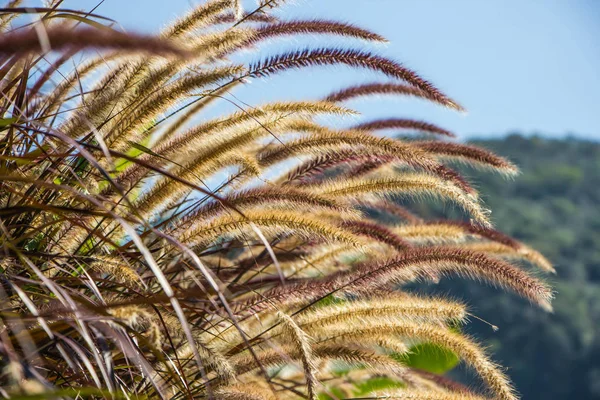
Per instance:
x=397, y=123
x=152, y=247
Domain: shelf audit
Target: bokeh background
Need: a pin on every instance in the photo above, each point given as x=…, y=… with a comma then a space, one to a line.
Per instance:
x=529, y=74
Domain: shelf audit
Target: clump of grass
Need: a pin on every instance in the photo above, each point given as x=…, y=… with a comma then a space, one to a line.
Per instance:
x=151, y=251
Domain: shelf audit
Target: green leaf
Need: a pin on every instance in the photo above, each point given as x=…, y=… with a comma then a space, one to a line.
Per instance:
x=429, y=357
x=5, y=122
x=336, y=392
x=329, y=300
x=144, y=149
x=377, y=384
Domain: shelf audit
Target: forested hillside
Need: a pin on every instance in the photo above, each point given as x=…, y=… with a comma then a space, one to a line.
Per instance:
x=554, y=207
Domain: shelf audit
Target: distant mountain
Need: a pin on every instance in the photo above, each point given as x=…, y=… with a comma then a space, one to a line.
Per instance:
x=554, y=206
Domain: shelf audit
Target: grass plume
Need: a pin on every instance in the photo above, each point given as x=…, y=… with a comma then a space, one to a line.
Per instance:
x=397, y=123
x=61, y=38
x=374, y=89
x=152, y=249
x=288, y=28
x=352, y=58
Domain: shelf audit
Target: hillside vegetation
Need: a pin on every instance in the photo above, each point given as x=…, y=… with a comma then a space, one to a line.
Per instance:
x=553, y=207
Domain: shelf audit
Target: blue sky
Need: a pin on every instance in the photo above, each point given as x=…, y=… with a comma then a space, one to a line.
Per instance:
x=516, y=65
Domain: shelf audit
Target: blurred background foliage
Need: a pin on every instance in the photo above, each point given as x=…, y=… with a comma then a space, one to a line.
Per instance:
x=552, y=206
